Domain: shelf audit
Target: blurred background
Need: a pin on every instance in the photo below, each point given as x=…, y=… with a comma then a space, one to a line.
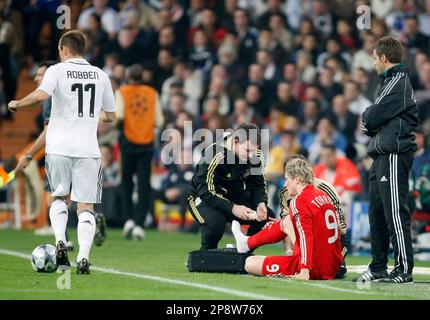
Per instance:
x=299, y=68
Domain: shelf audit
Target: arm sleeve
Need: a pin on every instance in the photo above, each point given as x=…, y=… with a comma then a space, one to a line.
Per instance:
x=108, y=97
x=303, y=218
x=388, y=105
x=256, y=181
x=206, y=188
x=49, y=82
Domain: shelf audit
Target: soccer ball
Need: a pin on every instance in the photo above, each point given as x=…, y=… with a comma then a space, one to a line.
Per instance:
x=43, y=258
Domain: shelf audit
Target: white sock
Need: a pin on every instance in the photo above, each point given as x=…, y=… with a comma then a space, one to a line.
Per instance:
x=86, y=231
x=241, y=239
x=58, y=215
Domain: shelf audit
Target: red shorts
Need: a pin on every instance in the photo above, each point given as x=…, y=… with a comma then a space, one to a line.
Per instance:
x=281, y=265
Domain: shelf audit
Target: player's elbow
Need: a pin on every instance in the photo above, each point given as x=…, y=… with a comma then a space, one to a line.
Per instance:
x=40, y=95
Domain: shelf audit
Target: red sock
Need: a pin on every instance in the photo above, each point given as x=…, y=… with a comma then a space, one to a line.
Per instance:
x=271, y=234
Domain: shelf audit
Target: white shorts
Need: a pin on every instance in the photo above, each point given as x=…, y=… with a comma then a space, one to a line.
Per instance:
x=80, y=177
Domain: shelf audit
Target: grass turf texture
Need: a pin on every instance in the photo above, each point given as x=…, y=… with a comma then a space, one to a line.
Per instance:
x=164, y=255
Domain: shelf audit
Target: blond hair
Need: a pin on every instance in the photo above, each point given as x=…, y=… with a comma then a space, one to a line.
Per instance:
x=300, y=168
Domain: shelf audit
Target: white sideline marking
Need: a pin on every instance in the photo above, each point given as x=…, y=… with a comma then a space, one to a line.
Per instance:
x=324, y=286
x=417, y=270
x=229, y=291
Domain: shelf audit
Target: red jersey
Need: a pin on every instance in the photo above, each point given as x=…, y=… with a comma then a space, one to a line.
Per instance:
x=317, y=233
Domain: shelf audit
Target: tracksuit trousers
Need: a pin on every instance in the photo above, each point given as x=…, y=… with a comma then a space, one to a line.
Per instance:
x=389, y=214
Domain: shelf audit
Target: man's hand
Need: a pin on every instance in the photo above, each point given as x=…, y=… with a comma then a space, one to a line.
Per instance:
x=13, y=106
x=268, y=224
x=262, y=212
x=303, y=275
x=23, y=162
x=242, y=212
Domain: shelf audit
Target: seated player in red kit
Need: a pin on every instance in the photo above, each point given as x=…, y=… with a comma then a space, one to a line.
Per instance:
x=312, y=222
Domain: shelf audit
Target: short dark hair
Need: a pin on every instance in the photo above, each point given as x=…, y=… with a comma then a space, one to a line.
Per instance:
x=248, y=131
x=75, y=41
x=135, y=72
x=390, y=47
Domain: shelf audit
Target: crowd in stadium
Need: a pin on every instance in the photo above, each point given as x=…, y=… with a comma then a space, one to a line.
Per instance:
x=299, y=68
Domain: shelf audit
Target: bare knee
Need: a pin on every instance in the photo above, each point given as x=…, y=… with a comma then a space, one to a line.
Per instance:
x=85, y=207
x=254, y=265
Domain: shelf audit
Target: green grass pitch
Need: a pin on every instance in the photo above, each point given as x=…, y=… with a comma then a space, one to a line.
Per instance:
x=156, y=269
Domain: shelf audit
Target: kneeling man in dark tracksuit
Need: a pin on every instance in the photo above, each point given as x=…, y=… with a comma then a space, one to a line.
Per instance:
x=390, y=122
x=229, y=184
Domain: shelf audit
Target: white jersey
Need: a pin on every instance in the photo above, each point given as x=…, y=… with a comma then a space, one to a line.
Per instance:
x=79, y=92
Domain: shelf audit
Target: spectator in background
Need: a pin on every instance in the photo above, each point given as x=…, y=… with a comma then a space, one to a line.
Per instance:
x=139, y=110
x=279, y=31
x=334, y=50
x=285, y=102
x=254, y=98
x=273, y=7
x=97, y=40
x=395, y=20
x=108, y=17
x=326, y=134
x=291, y=74
x=126, y=47
x=267, y=42
x=175, y=106
x=217, y=88
x=346, y=120
x=265, y=59
x=340, y=172
x=363, y=58
x=164, y=67
x=357, y=102
x=309, y=46
x=422, y=92
x=192, y=86
x=309, y=116
x=146, y=15
x=368, y=82
x=326, y=83
x=424, y=20
x=411, y=37
x=322, y=18
x=305, y=67
x=347, y=38
x=209, y=25
x=200, y=55
x=7, y=80
x=242, y=113
x=247, y=36
x=174, y=186
x=381, y=8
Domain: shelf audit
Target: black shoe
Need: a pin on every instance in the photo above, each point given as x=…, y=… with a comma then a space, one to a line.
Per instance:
x=397, y=277
x=63, y=262
x=371, y=276
x=342, y=271
x=83, y=267
x=100, y=235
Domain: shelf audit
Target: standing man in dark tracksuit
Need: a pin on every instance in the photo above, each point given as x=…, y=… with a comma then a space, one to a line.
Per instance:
x=390, y=122
x=229, y=184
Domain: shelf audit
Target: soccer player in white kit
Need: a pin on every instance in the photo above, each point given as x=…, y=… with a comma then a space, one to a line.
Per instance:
x=79, y=92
